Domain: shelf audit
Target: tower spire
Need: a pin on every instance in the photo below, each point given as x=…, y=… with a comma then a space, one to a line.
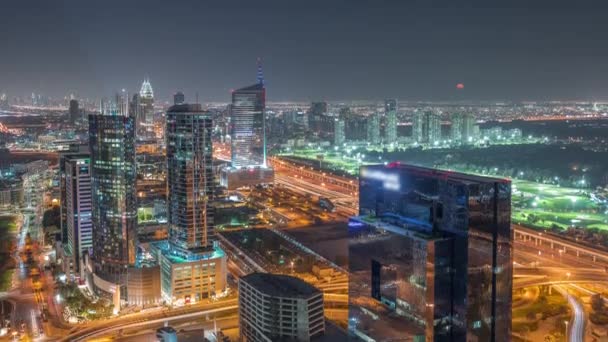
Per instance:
x=260, y=74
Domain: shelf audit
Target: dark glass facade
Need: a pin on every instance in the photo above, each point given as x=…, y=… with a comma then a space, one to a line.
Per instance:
x=114, y=214
x=430, y=256
x=190, y=177
x=248, y=135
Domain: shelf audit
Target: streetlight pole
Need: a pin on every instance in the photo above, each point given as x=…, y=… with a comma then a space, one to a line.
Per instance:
x=566, y=335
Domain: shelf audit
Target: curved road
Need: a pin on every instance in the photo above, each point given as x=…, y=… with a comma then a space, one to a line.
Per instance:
x=577, y=325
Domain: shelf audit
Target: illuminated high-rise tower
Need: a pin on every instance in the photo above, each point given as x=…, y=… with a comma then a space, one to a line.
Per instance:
x=114, y=214
x=192, y=266
x=426, y=128
x=248, y=137
x=248, y=124
x=145, y=111
x=390, y=123
x=189, y=176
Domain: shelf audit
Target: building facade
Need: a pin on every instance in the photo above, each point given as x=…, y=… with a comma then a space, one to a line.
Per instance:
x=193, y=267
x=114, y=214
x=390, y=121
x=431, y=255
x=373, y=129
x=426, y=128
x=461, y=131
x=275, y=307
x=74, y=111
x=142, y=109
x=248, y=133
x=339, y=138
x=78, y=211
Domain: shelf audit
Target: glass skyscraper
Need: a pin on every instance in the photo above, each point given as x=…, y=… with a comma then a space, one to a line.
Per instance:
x=248, y=134
x=78, y=209
x=430, y=256
x=189, y=176
x=192, y=266
x=114, y=214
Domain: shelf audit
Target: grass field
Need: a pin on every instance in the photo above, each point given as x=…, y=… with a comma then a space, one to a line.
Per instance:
x=544, y=206
x=145, y=214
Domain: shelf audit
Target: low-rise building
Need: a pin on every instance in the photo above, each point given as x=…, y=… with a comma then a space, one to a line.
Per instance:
x=274, y=307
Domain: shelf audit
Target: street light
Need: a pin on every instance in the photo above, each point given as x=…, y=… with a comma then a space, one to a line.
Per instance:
x=566, y=335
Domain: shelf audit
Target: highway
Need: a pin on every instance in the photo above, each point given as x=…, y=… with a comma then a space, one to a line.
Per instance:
x=231, y=309
x=577, y=325
x=97, y=328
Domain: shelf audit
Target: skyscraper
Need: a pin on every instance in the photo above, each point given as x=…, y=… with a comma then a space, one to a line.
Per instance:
x=189, y=177
x=462, y=128
x=248, y=137
x=145, y=114
x=390, y=124
x=74, y=111
x=373, y=129
x=316, y=111
x=78, y=210
x=426, y=128
x=430, y=256
x=248, y=126
x=339, y=132
x=190, y=252
x=114, y=215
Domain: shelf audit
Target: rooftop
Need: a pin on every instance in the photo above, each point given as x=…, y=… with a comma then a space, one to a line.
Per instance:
x=186, y=108
x=278, y=285
x=429, y=172
x=257, y=86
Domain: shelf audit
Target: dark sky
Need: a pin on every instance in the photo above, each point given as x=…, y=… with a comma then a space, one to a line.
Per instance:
x=333, y=50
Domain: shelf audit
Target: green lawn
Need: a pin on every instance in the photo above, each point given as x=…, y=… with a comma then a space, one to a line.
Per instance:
x=145, y=214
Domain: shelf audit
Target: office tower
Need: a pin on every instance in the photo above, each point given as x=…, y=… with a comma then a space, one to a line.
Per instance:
x=248, y=126
x=275, y=307
x=426, y=128
x=111, y=140
x=192, y=266
x=78, y=211
x=339, y=132
x=430, y=256
x=248, y=138
x=145, y=118
x=316, y=111
x=63, y=156
x=390, y=125
x=190, y=177
x=179, y=98
x=373, y=129
x=74, y=111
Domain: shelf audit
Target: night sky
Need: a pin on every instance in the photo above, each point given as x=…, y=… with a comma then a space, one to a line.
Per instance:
x=311, y=50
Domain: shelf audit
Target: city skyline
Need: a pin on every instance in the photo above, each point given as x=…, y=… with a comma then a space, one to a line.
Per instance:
x=496, y=52
x=306, y=171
